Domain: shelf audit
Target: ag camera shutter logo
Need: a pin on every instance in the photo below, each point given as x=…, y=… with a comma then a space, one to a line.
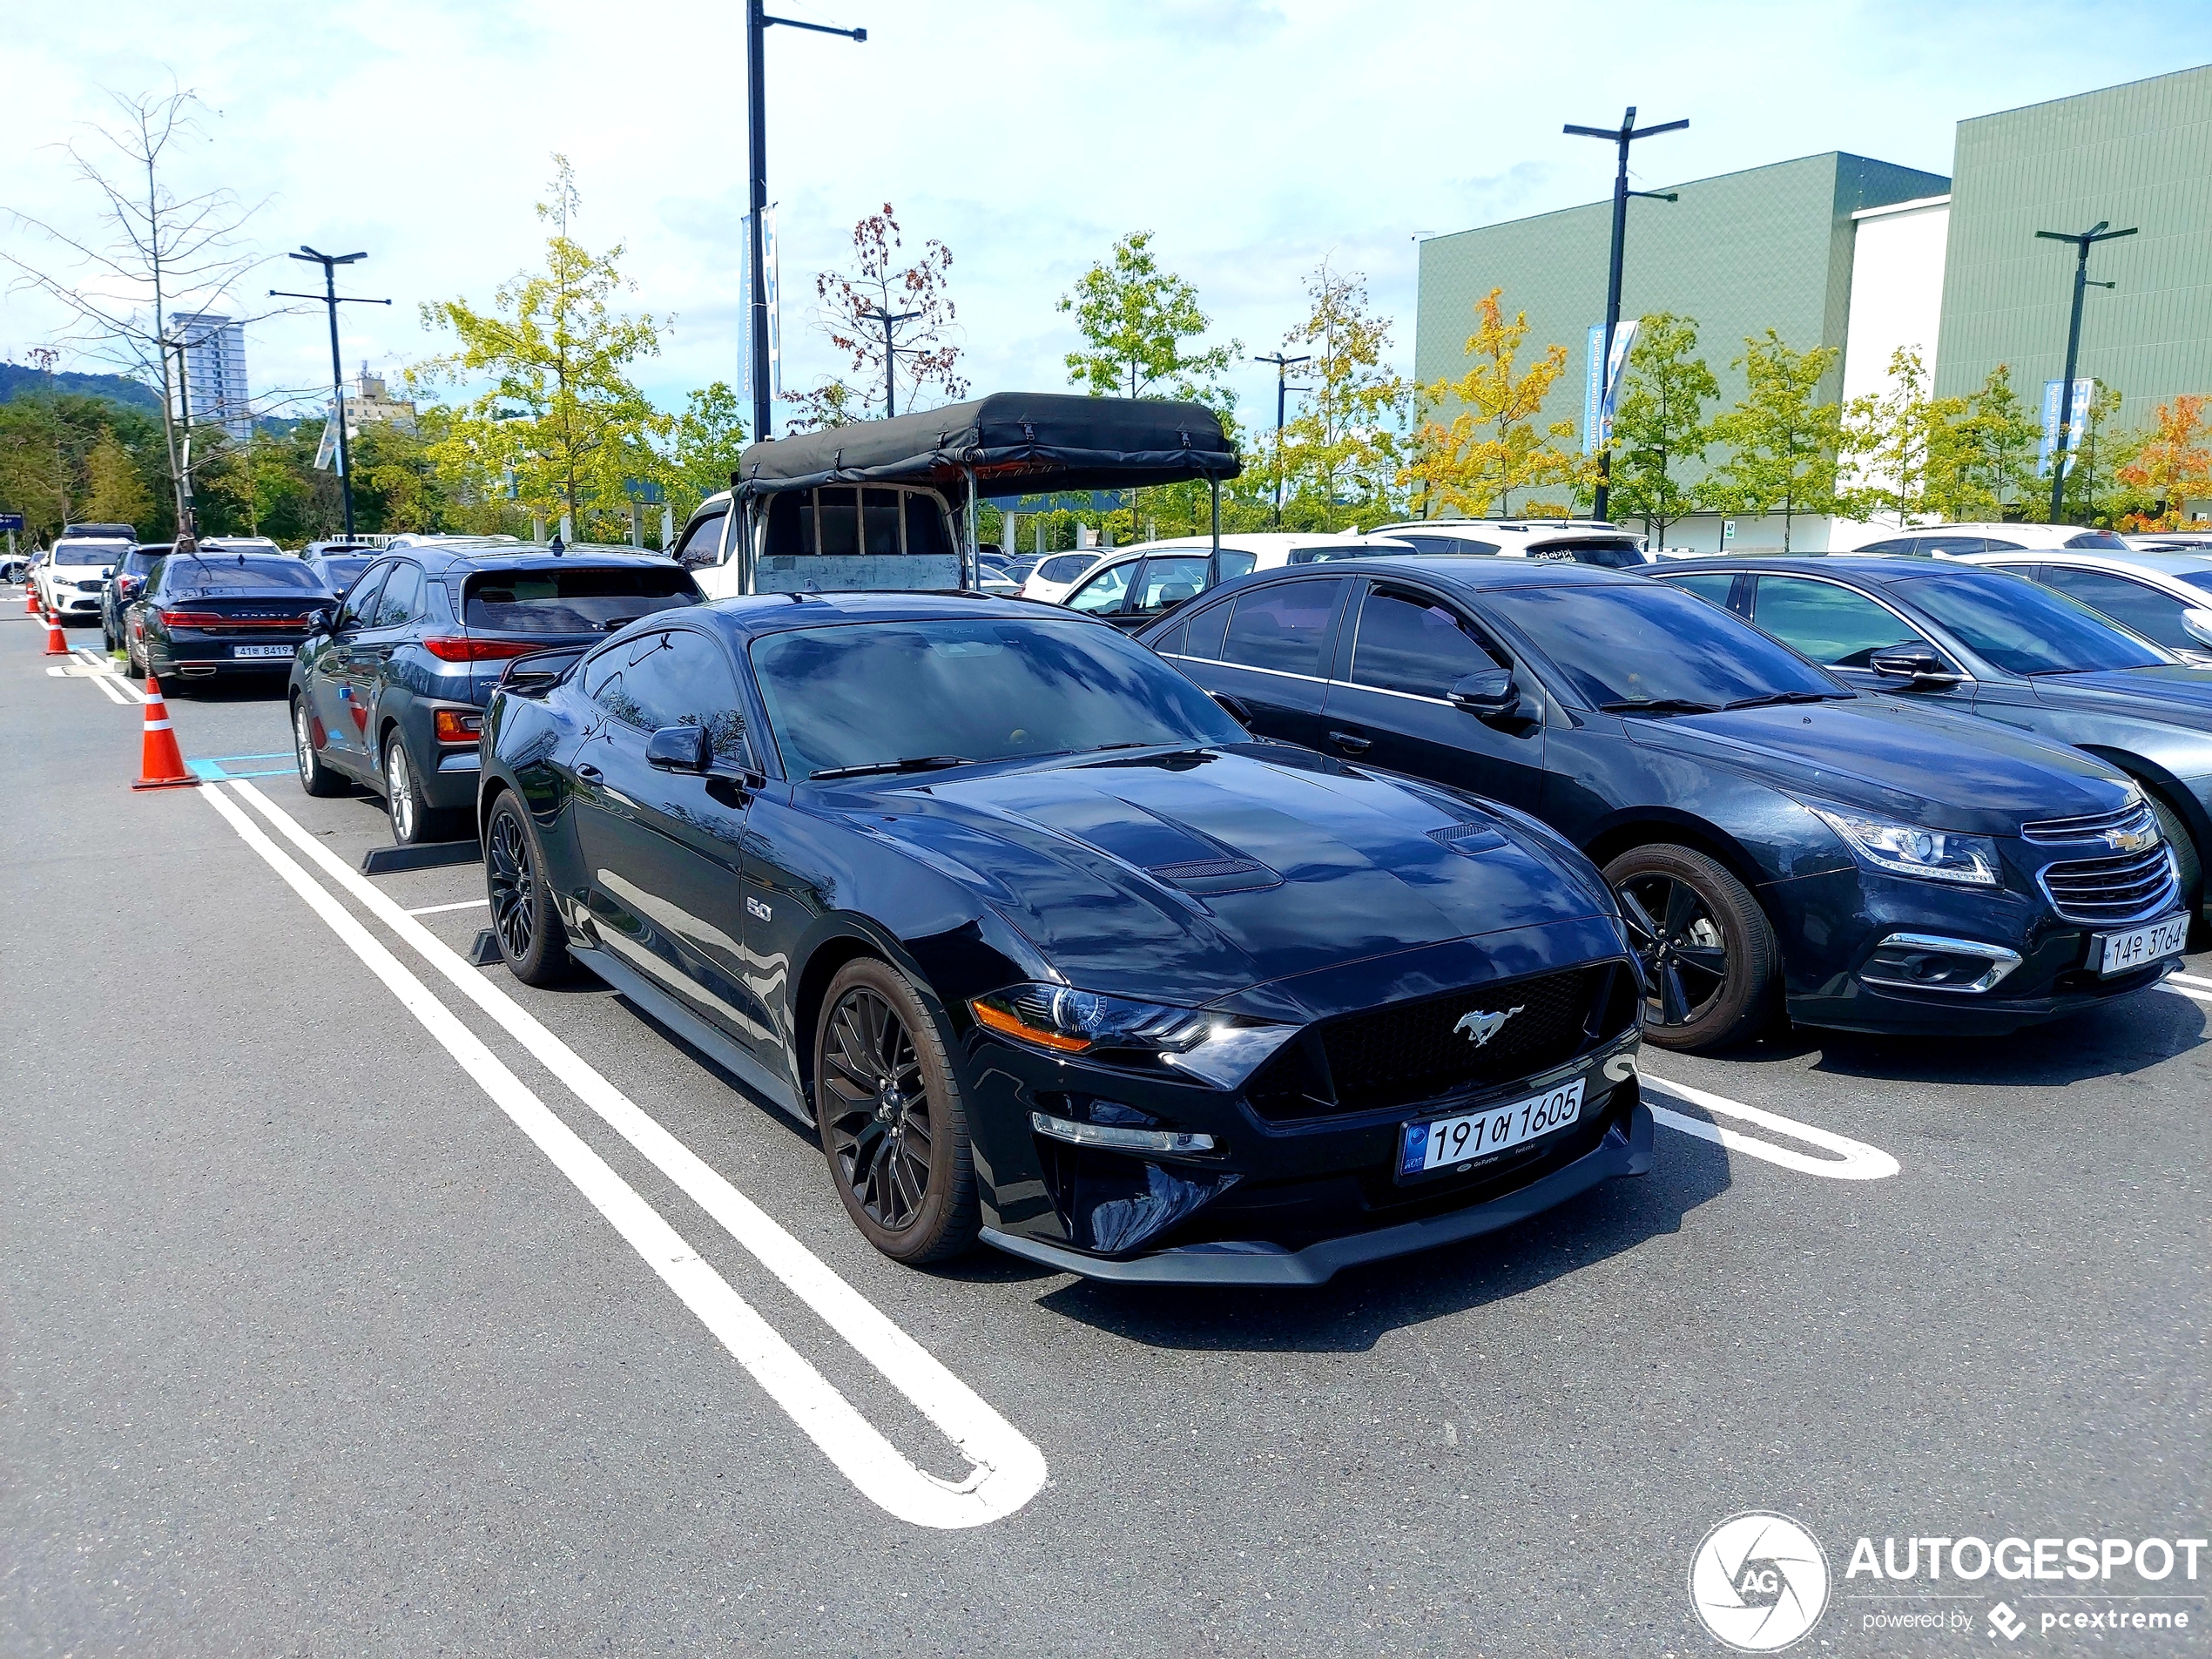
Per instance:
x=1759, y=1582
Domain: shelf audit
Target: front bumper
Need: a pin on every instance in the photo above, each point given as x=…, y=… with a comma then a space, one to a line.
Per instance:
x=1623, y=1149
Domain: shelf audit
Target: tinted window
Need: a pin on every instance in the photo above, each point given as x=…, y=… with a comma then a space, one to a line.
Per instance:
x=583, y=600
x=1066, y=567
x=1443, y=544
x=2105, y=539
x=2022, y=627
x=925, y=527
x=1201, y=636
x=1609, y=553
x=1830, y=624
x=338, y=575
x=402, y=600
x=1326, y=551
x=1713, y=586
x=1282, y=627
x=361, y=601
x=1170, y=582
x=1992, y=544
x=676, y=679
x=2131, y=604
x=212, y=575
x=1631, y=643
x=987, y=690
x=1895, y=544
x=1408, y=642
x=1103, y=592
x=1237, y=563
x=1951, y=544
x=700, y=545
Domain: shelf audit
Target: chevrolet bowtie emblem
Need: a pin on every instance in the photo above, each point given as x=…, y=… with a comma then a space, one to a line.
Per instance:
x=2121, y=841
x=1482, y=1027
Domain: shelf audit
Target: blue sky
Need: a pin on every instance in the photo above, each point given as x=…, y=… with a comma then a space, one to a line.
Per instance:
x=1255, y=139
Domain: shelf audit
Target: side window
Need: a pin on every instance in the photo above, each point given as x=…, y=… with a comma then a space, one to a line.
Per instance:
x=2133, y=605
x=1714, y=585
x=1170, y=582
x=1285, y=627
x=1830, y=624
x=1103, y=592
x=1952, y=544
x=1236, y=561
x=681, y=678
x=925, y=526
x=361, y=601
x=1895, y=544
x=402, y=600
x=1065, y=568
x=2019, y=567
x=1201, y=636
x=700, y=545
x=1407, y=642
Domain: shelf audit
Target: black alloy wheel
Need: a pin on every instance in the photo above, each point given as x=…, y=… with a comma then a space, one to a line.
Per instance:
x=531, y=940
x=1706, y=950
x=893, y=1127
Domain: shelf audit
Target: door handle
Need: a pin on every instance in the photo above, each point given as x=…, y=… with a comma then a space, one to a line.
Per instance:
x=590, y=774
x=1351, y=742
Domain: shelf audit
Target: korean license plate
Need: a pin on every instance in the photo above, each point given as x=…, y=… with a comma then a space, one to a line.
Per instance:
x=2139, y=947
x=261, y=651
x=1445, y=1143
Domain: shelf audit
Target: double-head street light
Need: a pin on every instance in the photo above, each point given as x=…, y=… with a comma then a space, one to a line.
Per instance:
x=756, y=22
x=2082, y=241
x=1626, y=133
x=333, y=299
x=890, y=320
x=1282, y=368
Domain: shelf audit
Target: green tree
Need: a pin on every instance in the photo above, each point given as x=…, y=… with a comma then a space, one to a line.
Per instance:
x=1660, y=428
x=1998, y=441
x=562, y=416
x=1340, y=458
x=709, y=438
x=1907, y=455
x=1781, y=443
x=1134, y=318
x=119, y=495
x=1496, y=440
x=2094, y=493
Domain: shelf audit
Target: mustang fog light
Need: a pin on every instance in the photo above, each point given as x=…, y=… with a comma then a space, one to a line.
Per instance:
x=1115, y=1138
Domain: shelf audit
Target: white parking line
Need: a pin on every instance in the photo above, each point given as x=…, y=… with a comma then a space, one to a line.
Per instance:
x=1854, y=1160
x=439, y=909
x=2191, y=979
x=1008, y=1469
x=2189, y=990
x=106, y=683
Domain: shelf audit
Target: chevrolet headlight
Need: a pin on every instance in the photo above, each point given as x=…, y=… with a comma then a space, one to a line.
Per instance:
x=1219, y=1048
x=1908, y=849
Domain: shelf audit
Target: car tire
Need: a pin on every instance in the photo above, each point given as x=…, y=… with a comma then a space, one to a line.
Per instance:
x=1711, y=963
x=524, y=920
x=132, y=661
x=316, y=777
x=414, y=821
x=2190, y=862
x=884, y=1080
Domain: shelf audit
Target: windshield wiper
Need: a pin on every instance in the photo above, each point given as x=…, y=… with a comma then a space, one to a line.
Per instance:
x=912, y=763
x=1661, y=706
x=1785, y=696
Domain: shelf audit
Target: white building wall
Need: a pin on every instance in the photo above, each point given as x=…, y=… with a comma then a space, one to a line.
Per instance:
x=1895, y=289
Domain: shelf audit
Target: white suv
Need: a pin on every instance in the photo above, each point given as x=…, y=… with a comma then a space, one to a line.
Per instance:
x=1579, y=541
x=71, y=579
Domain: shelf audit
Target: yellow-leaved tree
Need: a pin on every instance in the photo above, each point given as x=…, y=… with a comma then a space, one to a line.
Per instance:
x=1495, y=441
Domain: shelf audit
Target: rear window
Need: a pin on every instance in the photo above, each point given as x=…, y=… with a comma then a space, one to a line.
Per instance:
x=214, y=573
x=586, y=600
x=1609, y=553
x=2105, y=539
x=1067, y=567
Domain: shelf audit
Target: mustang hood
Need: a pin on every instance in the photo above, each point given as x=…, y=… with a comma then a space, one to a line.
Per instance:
x=1926, y=766
x=1189, y=876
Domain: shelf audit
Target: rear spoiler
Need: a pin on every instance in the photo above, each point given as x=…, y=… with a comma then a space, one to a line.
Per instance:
x=538, y=672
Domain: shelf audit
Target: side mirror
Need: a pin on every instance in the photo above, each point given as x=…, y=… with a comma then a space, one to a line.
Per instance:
x=679, y=748
x=1490, y=692
x=106, y=572
x=2196, y=623
x=321, y=621
x=1916, y=662
x=1235, y=710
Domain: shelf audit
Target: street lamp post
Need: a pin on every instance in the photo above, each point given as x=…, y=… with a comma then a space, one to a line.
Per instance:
x=333, y=299
x=757, y=25
x=890, y=320
x=1282, y=369
x=1626, y=133
x=2082, y=241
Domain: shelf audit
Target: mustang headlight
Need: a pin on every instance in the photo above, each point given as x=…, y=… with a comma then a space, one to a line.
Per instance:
x=1908, y=849
x=1218, y=1048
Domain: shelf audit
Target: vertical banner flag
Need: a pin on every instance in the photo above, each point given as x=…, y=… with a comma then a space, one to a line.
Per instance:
x=744, y=317
x=1593, y=386
x=774, y=282
x=1602, y=382
x=2077, y=428
x=326, y=446
x=1616, y=365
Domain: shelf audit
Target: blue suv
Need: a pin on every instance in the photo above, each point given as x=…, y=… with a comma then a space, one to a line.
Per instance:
x=388, y=691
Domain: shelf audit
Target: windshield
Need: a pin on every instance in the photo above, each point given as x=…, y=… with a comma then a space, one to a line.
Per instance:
x=212, y=573
x=872, y=693
x=1624, y=645
x=70, y=555
x=340, y=572
x=2199, y=579
x=580, y=600
x=2023, y=627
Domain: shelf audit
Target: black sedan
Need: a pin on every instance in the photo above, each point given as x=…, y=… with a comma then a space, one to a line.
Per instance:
x=389, y=688
x=124, y=584
x=1951, y=636
x=1777, y=841
x=215, y=614
x=1049, y=951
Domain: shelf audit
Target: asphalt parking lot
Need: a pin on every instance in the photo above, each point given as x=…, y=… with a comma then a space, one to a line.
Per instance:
x=350, y=1308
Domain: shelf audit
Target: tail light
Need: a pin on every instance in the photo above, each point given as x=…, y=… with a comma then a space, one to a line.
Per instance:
x=476, y=650
x=458, y=725
x=191, y=619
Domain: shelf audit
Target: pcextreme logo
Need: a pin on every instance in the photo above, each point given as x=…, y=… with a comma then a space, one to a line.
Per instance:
x=1759, y=1582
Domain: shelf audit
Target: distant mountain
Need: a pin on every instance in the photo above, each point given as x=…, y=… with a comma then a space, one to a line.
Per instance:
x=16, y=381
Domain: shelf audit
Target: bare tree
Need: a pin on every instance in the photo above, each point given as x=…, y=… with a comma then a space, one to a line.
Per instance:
x=152, y=251
x=905, y=358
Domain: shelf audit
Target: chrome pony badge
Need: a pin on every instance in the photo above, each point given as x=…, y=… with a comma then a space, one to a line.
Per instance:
x=1482, y=1027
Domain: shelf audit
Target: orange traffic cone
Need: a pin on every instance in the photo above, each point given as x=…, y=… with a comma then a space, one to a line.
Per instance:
x=57, y=645
x=29, y=599
x=163, y=764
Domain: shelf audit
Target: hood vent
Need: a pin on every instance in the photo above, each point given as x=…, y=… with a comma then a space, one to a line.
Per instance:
x=1469, y=838
x=1206, y=876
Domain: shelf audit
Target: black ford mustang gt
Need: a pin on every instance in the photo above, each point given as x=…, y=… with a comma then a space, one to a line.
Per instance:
x=1048, y=948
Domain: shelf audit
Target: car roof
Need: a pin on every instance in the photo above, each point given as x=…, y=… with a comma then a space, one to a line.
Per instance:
x=1474, y=572
x=2177, y=563
x=755, y=614
x=445, y=560
x=1876, y=567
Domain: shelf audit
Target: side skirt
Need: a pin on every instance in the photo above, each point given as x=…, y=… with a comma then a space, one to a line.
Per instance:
x=717, y=1045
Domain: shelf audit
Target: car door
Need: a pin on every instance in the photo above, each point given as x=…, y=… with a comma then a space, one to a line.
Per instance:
x=1841, y=628
x=1276, y=644
x=1390, y=703
x=367, y=656
x=662, y=849
x=1165, y=582
x=330, y=683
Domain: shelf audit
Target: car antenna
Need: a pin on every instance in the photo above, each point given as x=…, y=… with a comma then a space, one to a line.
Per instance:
x=555, y=545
